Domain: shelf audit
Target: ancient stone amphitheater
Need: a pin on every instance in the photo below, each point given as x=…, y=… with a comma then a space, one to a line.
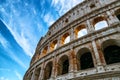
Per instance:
x=83, y=44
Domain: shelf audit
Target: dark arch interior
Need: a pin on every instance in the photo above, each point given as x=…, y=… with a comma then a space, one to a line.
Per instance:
x=48, y=71
x=118, y=16
x=65, y=67
x=86, y=61
x=112, y=54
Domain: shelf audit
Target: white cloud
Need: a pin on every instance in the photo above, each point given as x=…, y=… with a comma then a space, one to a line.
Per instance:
x=6, y=45
x=63, y=6
x=19, y=76
x=3, y=41
x=4, y=69
x=3, y=78
x=48, y=18
x=21, y=27
x=20, y=37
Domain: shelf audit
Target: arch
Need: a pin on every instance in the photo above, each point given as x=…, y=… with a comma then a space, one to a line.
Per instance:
x=111, y=50
x=100, y=22
x=45, y=50
x=37, y=73
x=63, y=65
x=80, y=31
x=65, y=38
x=53, y=45
x=48, y=70
x=117, y=13
x=84, y=58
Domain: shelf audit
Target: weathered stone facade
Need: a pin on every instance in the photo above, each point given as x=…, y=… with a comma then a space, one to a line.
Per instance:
x=95, y=55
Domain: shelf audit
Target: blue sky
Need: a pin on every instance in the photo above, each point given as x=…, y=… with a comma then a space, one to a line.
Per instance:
x=22, y=23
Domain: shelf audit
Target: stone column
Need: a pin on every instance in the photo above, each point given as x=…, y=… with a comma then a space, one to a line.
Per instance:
x=99, y=45
x=39, y=74
x=42, y=72
x=48, y=48
x=73, y=61
x=53, y=68
x=90, y=28
x=98, y=55
x=72, y=35
x=33, y=75
x=59, y=41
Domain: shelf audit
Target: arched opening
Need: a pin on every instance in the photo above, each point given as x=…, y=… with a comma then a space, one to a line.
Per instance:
x=37, y=73
x=80, y=31
x=85, y=59
x=65, y=38
x=48, y=70
x=100, y=22
x=45, y=50
x=53, y=45
x=117, y=13
x=101, y=25
x=63, y=65
x=111, y=49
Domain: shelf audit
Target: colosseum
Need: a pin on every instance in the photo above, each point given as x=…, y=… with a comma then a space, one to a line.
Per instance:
x=83, y=44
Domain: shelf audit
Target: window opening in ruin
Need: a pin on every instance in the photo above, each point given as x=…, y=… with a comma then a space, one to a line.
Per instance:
x=53, y=45
x=48, y=71
x=82, y=32
x=92, y=6
x=118, y=16
x=101, y=24
x=66, y=21
x=67, y=40
x=37, y=73
x=117, y=13
x=65, y=67
x=49, y=33
x=112, y=54
x=86, y=61
x=45, y=50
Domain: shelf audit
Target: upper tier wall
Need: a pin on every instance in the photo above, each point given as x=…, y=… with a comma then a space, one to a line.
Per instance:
x=83, y=13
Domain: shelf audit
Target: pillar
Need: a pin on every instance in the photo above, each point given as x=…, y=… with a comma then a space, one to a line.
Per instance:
x=41, y=76
x=98, y=55
x=48, y=50
x=73, y=61
x=72, y=35
x=33, y=75
x=53, y=68
x=98, y=62
x=90, y=28
x=59, y=41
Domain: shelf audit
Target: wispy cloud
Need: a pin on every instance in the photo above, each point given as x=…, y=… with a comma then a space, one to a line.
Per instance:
x=7, y=45
x=20, y=23
x=19, y=76
x=48, y=18
x=3, y=41
x=3, y=78
x=4, y=69
x=62, y=6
